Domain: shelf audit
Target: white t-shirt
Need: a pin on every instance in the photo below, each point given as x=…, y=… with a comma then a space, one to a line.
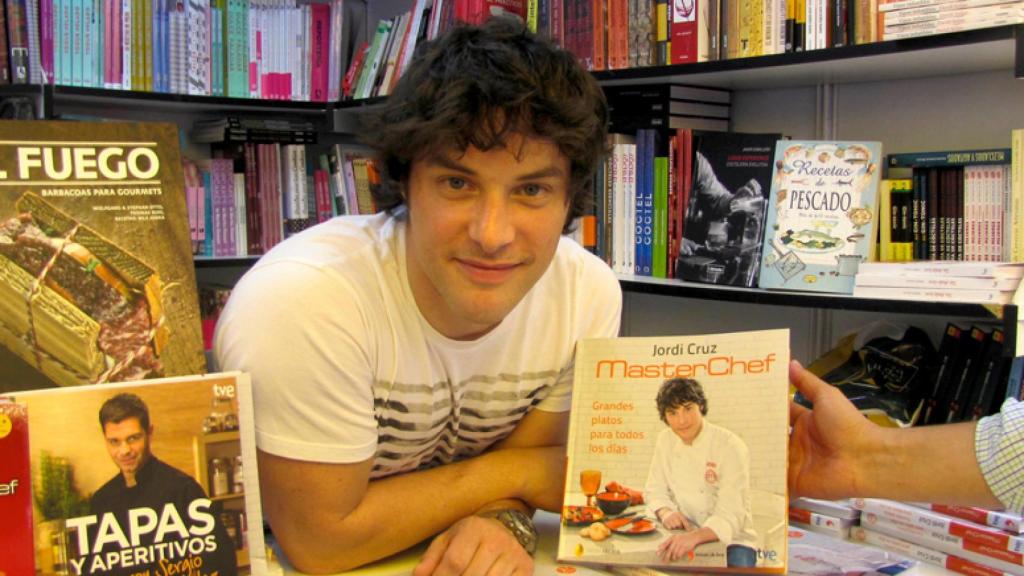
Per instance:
x=346, y=368
x=708, y=481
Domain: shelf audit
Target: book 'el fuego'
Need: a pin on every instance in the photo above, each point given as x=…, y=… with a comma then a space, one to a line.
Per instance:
x=677, y=453
x=150, y=477
x=821, y=216
x=96, y=276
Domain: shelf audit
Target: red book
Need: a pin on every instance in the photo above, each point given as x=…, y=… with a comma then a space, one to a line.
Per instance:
x=477, y=11
x=683, y=32
x=17, y=536
x=319, y=32
x=348, y=83
x=599, y=37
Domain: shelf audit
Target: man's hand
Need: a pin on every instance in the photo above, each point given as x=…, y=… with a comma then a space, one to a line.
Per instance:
x=678, y=546
x=475, y=545
x=674, y=520
x=826, y=444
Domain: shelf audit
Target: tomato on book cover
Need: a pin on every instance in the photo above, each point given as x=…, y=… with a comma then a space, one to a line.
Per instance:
x=677, y=453
x=15, y=491
x=822, y=214
x=97, y=282
x=151, y=477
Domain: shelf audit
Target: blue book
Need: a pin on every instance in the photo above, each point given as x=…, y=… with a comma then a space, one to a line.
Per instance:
x=649, y=179
x=821, y=215
x=641, y=178
x=1016, y=374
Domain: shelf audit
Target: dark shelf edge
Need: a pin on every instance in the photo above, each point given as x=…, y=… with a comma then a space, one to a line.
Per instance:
x=223, y=261
x=77, y=92
x=813, y=300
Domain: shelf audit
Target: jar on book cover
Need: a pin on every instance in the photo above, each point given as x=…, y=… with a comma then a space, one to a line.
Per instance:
x=237, y=486
x=219, y=477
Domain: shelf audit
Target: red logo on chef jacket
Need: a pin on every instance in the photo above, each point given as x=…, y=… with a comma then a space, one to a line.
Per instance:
x=710, y=473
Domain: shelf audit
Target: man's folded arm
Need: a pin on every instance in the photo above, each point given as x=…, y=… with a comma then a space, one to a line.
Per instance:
x=332, y=517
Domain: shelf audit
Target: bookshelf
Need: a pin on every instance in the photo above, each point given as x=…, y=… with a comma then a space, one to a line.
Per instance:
x=955, y=90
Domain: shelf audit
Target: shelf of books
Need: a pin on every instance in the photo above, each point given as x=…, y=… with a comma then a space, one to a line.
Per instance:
x=996, y=48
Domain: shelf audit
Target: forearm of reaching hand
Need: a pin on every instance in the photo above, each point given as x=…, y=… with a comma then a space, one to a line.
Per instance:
x=331, y=517
x=929, y=464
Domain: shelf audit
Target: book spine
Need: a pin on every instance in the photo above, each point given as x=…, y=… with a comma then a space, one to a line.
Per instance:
x=16, y=539
x=998, y=519
x=660, y=215
x=1015, y=227
x=17, y=41
x=923, y=553
x=975, y=538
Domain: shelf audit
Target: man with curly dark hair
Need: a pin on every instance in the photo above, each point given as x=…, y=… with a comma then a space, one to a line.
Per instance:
x=413, y=369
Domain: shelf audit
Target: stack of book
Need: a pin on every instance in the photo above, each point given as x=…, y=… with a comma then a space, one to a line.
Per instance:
x=944, y=281
x=634, y=107
x=960, y=539
x=832, y=517
x=909, y=18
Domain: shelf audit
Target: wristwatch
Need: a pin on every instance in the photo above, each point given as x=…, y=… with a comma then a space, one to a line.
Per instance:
x=519, y=524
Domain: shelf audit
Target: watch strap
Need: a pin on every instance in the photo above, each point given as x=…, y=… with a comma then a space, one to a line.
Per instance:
x=519, y=524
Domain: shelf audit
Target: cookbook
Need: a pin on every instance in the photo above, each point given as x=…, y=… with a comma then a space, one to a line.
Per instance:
x=151, y=477
x=677, y=453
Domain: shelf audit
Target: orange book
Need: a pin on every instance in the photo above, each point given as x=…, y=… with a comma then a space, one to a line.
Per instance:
x=599, y=20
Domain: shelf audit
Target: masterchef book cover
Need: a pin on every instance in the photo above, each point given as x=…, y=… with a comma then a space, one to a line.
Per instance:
x=677, y=453
x=151, y=477
x=96, y=276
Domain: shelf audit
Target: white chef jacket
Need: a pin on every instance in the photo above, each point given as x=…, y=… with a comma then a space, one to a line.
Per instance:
x=708, y=481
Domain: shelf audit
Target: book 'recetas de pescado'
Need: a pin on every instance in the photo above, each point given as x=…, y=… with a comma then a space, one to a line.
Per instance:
x=157, y=476
x=821, y=215
x=677, y=453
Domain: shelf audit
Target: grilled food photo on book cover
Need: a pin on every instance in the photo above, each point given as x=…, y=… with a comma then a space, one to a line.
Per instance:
x=96, y=276
x=677, y=453
x=821, y=215
x=151, y=477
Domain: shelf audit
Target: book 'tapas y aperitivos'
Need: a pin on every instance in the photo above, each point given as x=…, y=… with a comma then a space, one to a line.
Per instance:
x=677, y=453
x=97, y=282
x=167, y=484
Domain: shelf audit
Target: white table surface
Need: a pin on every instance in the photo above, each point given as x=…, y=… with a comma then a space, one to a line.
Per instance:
x=547, y=523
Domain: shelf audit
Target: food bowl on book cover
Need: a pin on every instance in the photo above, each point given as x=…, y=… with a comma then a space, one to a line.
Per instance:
x=612, y=503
